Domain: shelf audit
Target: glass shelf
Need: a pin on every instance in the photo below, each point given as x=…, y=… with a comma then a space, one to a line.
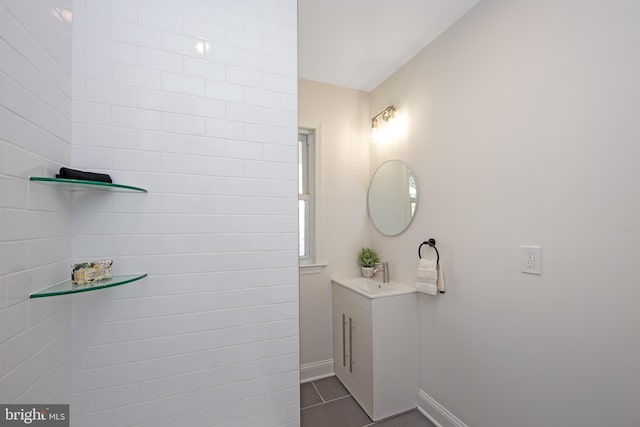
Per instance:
x=79, y=184
x=67, y=287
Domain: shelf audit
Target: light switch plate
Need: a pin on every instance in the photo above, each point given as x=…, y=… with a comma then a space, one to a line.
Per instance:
x=531, y=259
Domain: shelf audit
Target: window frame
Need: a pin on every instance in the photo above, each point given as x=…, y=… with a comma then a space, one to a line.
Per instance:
x=306, y=193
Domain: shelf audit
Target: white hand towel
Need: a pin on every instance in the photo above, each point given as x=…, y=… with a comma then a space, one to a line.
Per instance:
x=427, y=288
x=441, y=287
x=427, y=277
x=429, y=264
x=424, y=273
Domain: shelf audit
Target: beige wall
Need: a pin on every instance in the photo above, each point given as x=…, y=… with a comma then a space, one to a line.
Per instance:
x=523, y=129
x=339, y=116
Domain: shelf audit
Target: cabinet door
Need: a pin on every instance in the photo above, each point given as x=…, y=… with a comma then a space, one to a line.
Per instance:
x=340, y=336
x=353, y=345
x=360, y=351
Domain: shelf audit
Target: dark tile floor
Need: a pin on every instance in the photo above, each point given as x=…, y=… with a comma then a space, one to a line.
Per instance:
x=326, y=403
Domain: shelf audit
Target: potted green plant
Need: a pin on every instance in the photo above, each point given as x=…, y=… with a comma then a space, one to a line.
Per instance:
x=367, y=259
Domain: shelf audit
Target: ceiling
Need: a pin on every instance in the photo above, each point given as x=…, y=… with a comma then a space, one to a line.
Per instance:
x=360, y=43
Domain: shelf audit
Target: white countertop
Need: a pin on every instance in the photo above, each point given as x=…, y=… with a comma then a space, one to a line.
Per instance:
x=373, y=289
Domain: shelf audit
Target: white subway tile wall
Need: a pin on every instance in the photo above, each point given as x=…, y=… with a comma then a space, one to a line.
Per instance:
x=35, y=220
x=192, y=100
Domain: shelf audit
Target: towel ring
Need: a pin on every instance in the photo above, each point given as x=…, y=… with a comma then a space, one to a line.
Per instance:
x=432, y=243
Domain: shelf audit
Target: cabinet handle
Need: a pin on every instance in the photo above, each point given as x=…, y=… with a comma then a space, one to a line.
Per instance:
x=350, y=345
x=344, y=342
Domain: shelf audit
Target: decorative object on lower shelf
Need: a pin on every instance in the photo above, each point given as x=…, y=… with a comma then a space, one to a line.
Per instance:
x=367, y=259
x=92, y=271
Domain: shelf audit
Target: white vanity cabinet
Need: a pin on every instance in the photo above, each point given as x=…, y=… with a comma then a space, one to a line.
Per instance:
x=375, y=348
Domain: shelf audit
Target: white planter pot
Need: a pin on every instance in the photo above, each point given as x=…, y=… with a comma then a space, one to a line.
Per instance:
x=367, y=272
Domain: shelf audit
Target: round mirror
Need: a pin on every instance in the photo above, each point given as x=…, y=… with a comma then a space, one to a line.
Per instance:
x=393, y=197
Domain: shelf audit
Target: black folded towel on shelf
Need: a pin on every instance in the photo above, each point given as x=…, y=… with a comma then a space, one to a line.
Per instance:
x=87, y=176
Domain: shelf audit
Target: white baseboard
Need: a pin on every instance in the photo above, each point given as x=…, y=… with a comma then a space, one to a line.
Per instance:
x=316, y=370
x=438, y=414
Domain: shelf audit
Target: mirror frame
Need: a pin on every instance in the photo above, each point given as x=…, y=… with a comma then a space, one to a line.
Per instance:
x=417, y=198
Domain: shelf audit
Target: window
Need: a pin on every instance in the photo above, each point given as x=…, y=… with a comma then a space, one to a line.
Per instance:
x=413, y=194
x=305, y=194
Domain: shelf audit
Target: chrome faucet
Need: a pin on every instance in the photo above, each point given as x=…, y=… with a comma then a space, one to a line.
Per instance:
x=384, y=269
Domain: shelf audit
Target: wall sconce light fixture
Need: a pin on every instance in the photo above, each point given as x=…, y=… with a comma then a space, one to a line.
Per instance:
x=380, y=123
